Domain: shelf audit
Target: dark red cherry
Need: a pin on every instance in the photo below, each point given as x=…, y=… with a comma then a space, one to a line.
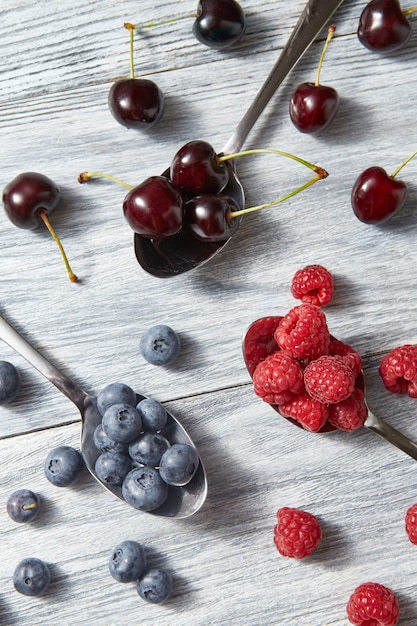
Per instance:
x=26, y=196
x=136, y=102
x=313, y=107
x=383, y=26
x=207, y=217
x=220, y=23
x=196, y=169
x=154, y=209
x=376, y=195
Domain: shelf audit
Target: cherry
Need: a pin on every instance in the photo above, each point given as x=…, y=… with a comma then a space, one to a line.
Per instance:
x=376, y=196
x=383, y=26
x=28, y=200
x=209, y=217
x=219, y=23
x=154, y=209
x=135, y=102
x=196, y=169
x=313, y=106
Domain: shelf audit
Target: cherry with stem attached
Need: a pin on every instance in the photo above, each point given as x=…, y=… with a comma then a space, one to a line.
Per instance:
x=384, y=26
x=376, y=196
x=313, y=106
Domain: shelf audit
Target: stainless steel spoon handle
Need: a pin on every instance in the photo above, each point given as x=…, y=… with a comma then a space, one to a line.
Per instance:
x=315, y=15
x=68, y=387
x=391, y=435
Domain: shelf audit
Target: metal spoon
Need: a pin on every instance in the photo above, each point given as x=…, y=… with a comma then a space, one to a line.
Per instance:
x=180, y=253
x=259, y=342
x=182, y=501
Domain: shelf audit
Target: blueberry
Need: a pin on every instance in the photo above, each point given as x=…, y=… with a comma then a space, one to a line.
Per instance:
x=127, y=562
x=155, y=585
x=153, y=414
x=63, y=465
x=31, y=577
x=160, y=345
x=104, y=443
x=112, y=467
x=178, y=464
x=144, y=489
x=115, y=393
x=23, y=505
x=9, y=382
x=122, y=422
x=148, y=449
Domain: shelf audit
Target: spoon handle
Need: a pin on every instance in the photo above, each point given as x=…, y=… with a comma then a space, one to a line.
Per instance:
x=315, y=15
x=391, y=435
x=68, y=387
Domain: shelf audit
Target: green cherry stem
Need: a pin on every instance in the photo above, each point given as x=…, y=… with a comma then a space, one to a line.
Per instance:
x=169, y=20
x=410, y=11
x=329, y=37
x=403, y=164
x=84, y=177
x=131, y=30
x=42, y=214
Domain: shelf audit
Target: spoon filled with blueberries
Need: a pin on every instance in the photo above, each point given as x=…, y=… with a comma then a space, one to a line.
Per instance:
x=130, y=443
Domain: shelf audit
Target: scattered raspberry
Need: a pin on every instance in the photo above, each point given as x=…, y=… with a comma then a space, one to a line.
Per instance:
x=311, y=413
x=313, y=285
x=297, y=533
x=329, y=380
x=348, y=354
x=349, y=414
x=372, y=604
x=277, y=378
x=398, y=370
x=411, y=523
x=303, y=332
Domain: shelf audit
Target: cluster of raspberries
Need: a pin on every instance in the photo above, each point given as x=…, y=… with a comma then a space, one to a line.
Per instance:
x=312, y=377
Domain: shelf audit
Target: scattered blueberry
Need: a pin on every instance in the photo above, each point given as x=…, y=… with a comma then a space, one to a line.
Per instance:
x=104, y=443
x=144, y=489
x=155, y=585
x=178, y=464
x=23, y=505
x=127, y=562
x=153, y=414
x=9, y=382
x=160, y=345
x=122, y=422
x=31, y=577
x=112, y=467
x=148, y=449
x=63, y=465
x=115, y=393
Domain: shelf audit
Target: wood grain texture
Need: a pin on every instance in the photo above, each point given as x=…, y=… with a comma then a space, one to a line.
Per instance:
x=57, y=63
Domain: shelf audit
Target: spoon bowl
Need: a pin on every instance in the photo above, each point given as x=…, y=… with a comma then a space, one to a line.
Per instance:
x=181, y=501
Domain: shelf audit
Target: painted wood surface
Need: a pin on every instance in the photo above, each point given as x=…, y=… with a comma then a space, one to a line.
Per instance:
x=57, y=63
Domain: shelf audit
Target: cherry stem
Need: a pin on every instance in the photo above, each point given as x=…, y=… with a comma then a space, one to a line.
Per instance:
x=329, y=37
x=403, y=164
x=131, y=29
x=84, y=177
x=169, y=20
x=316, y=168
x=42, y=214
x=410, y=11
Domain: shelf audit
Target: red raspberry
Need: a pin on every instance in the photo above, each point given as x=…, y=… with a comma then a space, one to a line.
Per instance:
x=349, y=414
x=303, y=332
x=297, y=533
x=348, y=354
x=329, y=380
x=398, y=370
x=411, y=523
x=311, y=413
x=372, y=604
x=313, y=285
x=277, y=378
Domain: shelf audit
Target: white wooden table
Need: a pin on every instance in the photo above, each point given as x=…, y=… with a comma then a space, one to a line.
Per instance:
x=57, y=63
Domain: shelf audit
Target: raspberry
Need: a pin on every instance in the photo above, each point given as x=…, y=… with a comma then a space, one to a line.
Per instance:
x=373, y=604
x=348, y=354
x=349, y=414
x=259, y=341
x=303, y=332
x=297, y=533
x=311, y=413
x=398, y=370
x=277, y=378
x=313, y=285
x=329, y=380
x=411, y=523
